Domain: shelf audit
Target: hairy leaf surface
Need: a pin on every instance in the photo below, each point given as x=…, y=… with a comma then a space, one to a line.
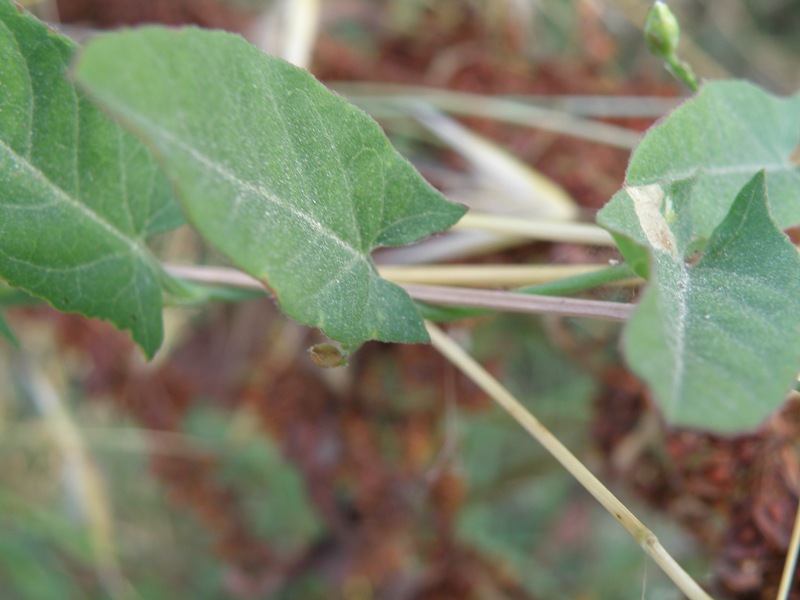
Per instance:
x=718, y=340
x=290, y=181
x=78, y=195
x=715, y=335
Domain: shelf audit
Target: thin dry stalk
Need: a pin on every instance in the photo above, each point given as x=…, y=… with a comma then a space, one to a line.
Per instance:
x=643, y=536
x=791, y=560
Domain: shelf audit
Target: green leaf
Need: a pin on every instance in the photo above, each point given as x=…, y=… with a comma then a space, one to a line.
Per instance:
x=703, y=337
x=717, y=341
x=77, y=194
x=290, y=181
x=714, y=143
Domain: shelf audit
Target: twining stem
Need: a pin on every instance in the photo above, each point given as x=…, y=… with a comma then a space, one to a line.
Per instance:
x=643, y=536
x=608, y=276
x=791, y=560
x=442, y=295
x=523, y=303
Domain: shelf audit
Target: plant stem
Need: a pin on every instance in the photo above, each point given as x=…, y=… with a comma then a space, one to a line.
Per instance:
x=616, y=275
x=791, y=560
x=681, y=71
x=214, y=276
x=466, y=298
x=522, y=303
x=643, y=536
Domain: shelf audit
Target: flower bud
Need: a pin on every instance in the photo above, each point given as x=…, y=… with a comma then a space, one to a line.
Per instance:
x=661, y=30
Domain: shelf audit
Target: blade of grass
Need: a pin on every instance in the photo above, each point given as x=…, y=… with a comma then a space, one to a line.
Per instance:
x=289, y=29
x=497, y=168
x=643, y=536
x=83, y=480
x=509, y=111
x=485, y=275
x=615, y=275
x=495, y=107
x=537, y=229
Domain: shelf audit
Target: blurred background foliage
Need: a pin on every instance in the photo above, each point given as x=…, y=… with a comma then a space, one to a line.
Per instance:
x=232, y=467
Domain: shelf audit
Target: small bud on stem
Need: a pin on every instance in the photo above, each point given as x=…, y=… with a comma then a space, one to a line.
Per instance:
x=662, y=32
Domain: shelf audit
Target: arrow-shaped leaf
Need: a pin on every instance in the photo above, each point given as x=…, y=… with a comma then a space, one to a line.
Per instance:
x=290, y=181
x=77, y=194
x=715, y=142
x=718, y=340
x=714, y=338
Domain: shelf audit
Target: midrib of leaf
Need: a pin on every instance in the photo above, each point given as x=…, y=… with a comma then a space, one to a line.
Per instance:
x=62, y=195
x=59, y=192
x=304, y=222
x=67, y=239
x=683, y=295
x=281, y=118
x=162, y=134
x=332, y=281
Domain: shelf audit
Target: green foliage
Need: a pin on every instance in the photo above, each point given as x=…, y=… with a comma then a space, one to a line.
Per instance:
x=272, y=489
x=714, y=143
x=294, y=184
x=46, y=546
x=717, y=340
x=36, y=546
x=715, y=335
x=298, y=187
x=78, y=196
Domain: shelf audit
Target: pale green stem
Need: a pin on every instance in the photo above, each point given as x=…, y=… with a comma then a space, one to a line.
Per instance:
x=682, y=72
x=643, y=536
